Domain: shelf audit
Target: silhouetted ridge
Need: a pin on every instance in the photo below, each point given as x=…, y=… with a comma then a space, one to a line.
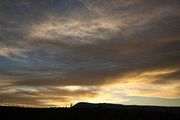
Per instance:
x=91, y=111
x=97, y=105
x=85, y=105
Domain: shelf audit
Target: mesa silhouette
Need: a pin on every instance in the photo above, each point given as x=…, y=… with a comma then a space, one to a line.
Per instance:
x=90, y=111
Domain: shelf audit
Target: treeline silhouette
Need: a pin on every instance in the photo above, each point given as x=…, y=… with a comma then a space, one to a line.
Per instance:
x=87, y=111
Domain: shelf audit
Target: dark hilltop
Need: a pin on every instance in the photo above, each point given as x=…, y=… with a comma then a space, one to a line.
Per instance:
x=90, y=111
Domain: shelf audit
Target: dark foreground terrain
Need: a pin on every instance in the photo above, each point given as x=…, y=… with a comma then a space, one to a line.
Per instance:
x=87, y=111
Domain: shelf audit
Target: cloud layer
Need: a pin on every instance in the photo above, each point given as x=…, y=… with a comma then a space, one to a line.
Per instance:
x=132, y=45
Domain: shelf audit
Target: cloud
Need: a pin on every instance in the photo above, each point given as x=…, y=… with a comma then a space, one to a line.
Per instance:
x=43, y=96
x=91, y=43
x=73, y=31
x=11, y=52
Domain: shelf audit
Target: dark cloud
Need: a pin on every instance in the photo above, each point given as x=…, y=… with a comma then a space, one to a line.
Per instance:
x=168, y=78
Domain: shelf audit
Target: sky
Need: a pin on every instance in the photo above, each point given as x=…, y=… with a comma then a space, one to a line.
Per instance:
x=57, y=52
